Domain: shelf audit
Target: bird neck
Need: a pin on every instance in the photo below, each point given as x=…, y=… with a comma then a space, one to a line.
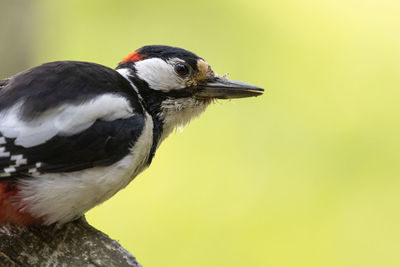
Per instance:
x=169, y=110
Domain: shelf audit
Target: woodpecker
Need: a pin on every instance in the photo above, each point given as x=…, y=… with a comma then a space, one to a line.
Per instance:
x=72, y=134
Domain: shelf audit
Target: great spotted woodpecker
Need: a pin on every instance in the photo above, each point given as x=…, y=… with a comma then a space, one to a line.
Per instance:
x=72, y=134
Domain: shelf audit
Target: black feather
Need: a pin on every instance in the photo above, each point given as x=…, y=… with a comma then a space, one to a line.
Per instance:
x=63, y=82
x=68, y=82
x=103, y=144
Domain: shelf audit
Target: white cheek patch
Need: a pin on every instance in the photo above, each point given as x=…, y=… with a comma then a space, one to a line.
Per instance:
x=63, y=120
x=159, y=74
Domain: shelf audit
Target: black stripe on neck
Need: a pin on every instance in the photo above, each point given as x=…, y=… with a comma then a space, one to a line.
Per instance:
x=152, y=104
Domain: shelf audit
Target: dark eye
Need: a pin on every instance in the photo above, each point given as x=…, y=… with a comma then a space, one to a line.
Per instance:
x=181, y=69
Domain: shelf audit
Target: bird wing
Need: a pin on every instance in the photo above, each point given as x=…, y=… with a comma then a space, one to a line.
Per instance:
x=66, y=116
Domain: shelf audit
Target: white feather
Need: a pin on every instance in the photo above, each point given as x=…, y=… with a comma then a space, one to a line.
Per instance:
x=3, y=152
x=64, y=120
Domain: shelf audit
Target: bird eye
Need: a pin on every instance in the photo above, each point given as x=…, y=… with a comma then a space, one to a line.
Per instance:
x=181, y=69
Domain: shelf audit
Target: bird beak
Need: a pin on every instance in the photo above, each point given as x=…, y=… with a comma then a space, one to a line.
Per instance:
x=223, y=88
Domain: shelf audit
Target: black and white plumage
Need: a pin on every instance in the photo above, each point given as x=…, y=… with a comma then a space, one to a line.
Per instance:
x=72, y=134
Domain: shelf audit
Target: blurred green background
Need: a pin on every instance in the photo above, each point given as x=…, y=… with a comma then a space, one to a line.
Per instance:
x=306, y=175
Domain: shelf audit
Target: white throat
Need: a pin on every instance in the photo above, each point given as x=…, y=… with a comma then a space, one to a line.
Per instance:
x=178, y=112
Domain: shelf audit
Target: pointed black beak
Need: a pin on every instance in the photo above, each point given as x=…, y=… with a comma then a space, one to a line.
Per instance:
x=223, y=88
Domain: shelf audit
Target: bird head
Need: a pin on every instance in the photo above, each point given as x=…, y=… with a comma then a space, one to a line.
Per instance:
x=176, y=84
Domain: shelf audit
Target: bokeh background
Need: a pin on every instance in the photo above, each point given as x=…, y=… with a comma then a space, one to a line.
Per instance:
x=306, y=175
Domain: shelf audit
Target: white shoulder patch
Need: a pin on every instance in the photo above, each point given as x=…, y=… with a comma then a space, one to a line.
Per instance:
x=66, y=120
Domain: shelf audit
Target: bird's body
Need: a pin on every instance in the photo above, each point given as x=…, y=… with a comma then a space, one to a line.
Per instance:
x=72, y=134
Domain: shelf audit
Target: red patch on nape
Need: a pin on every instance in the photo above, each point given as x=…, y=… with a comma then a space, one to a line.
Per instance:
x=133, y=57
